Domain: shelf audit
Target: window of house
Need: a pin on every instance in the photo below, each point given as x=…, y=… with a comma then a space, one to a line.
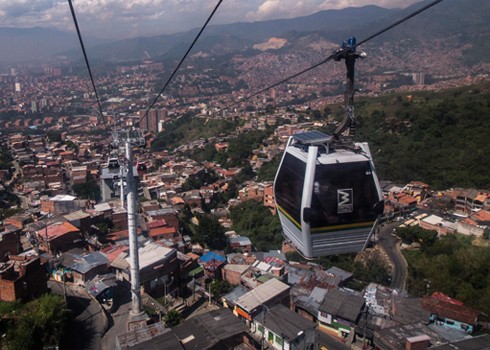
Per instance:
x=279, y=340
x=270, y=337
x=260, y=328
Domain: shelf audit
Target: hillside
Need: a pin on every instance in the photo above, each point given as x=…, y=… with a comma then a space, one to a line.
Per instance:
x=439, y=138
x=33, y=44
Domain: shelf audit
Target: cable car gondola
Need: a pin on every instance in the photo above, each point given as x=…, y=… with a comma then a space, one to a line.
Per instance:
x=141, y=168
x=113, y=163
x=328, y=200
x=326, y=189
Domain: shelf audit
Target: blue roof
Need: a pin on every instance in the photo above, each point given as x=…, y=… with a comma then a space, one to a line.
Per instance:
x=211, y=256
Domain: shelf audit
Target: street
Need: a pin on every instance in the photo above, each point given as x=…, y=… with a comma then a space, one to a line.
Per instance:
x=89, y=321
x=389, y=244
x=330, y=342
x=118, y=321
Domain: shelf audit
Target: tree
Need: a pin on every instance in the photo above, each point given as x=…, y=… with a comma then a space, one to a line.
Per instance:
x=219, y=287
x=172, y=318
x=88, y=190
x=54, y=136
x=211, y=232
x=268, y=171
x=372, y=270
x=39, y=323
x=454, y=267
x=255, y=221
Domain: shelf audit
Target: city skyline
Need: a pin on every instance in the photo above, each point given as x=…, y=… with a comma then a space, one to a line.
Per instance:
x=112, y=19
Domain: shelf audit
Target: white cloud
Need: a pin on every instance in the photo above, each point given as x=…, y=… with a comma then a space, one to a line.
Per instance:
x=122, y=18
x=271, y=9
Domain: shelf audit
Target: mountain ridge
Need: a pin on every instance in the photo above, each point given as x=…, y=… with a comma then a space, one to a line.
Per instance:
x=461, y=22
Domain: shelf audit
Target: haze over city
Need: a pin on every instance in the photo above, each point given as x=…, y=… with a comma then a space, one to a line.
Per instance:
x=115, y=19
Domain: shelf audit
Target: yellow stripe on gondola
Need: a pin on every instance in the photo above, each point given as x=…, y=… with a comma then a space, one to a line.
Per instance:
x=326, y=229
x=342, y=227
x=290, y=218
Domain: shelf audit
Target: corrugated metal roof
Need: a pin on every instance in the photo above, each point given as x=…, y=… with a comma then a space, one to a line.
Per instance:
x=284, y=322
x=76, y=215
x=152, y=253
x=261, y=294
x=205, y=331
x=346, y=306
x=86, y=262
x=154, y=336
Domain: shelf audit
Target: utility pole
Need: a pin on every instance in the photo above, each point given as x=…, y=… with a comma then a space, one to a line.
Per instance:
x=121, y=187
x=64, y=286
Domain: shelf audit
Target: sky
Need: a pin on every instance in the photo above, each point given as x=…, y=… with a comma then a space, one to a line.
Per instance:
x=118, y=19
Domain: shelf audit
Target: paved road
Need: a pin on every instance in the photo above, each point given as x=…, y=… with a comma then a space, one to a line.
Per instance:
x=90, y=322
x=330, y=342
x=118, y=320
x=390, y=246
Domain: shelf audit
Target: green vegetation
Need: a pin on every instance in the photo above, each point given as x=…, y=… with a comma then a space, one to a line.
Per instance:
x=438, y=138
x=5, y=157
x=268, y=171
x=453, y=266
x=54, y=136
x=189, y=128
x=219, y=287
x=172, y=318
x=209, y=232
x=372, y=269
x=253, y=220
x=88, y=190
x=409, y=235
x=35, y=325
x=240, y=148
x=209, y=154
x=202, y=178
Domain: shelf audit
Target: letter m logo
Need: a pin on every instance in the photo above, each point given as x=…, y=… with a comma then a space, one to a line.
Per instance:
x=345, y=201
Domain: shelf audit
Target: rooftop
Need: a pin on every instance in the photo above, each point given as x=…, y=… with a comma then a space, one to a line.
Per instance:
x=343, y=304
x=207, y=330
x=262, y=294
x=282, y=321
x=151, y=337
x=56, y=230
x=151, y=253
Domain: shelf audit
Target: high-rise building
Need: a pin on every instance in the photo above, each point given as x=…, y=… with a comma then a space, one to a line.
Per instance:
x=418, y=78
x=17, y=87
x=13, y=72
x=151, y=121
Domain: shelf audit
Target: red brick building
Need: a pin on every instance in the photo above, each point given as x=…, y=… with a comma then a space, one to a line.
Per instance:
x=9, y=240
x=59, y=237
x=22, y=277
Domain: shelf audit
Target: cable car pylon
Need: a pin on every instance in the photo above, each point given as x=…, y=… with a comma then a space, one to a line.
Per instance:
x=326, y=189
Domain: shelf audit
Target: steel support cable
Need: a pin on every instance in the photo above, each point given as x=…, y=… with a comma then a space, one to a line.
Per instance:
x=335, y=54
x=183, y=58
x=86, y=59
